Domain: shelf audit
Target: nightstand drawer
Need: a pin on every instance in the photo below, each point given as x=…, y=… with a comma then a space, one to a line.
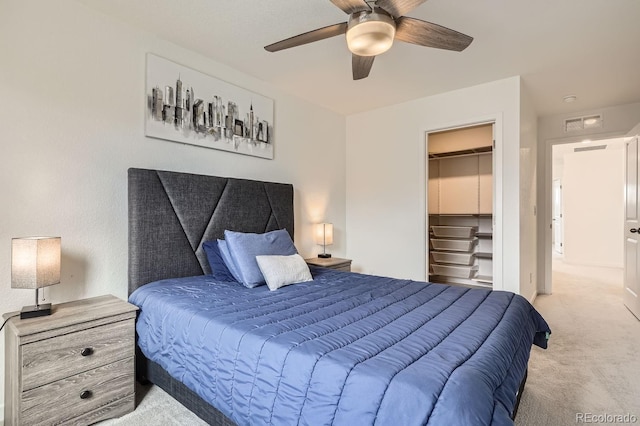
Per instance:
x=73, y=396
x=346, y=268
x=52, y=359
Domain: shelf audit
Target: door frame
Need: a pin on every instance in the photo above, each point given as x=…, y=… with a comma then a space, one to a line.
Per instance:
x=557, y=226
x=545, y=252
x=497, y=121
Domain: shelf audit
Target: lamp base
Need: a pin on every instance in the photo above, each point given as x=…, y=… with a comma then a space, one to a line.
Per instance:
x=324, y=255
x=35, y=311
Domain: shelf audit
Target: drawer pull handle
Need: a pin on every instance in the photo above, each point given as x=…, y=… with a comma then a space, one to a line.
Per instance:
x=86, y=352
x=86, y=394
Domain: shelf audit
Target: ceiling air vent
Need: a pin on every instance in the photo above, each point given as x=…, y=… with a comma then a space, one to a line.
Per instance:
x=589, y=148
x=592, y=122
x=583, y=123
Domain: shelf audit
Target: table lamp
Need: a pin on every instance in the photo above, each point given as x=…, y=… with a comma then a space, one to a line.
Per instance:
x=324, y=237
x=35, y=263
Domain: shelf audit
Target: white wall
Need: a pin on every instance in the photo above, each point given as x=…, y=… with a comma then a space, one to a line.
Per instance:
x=593, y=207
x=386, y=178
x=528, y=194
x=617, y=121
x=72, y=110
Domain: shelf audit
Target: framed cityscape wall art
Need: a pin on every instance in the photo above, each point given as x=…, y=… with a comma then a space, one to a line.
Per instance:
x=187, y=106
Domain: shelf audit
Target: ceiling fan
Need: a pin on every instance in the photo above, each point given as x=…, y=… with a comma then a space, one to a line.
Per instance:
x=372, y=27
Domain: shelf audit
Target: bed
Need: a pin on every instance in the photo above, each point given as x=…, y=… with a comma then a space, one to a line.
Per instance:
x=345, y=348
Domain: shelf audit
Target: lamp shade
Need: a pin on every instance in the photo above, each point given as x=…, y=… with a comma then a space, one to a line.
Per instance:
x=35, y=262
x=324, y=234
x=370, y=34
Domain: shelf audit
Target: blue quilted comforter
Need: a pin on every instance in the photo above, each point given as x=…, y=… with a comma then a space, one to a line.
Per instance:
x=344, y=349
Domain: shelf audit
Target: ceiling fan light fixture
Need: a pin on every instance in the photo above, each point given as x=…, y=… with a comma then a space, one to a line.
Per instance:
x=370, y=33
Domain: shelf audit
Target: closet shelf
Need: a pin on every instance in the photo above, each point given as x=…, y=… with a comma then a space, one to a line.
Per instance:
x=486, y=279
x=484, y=255
x=462, y=214
x=478, y=150
x=434, y=278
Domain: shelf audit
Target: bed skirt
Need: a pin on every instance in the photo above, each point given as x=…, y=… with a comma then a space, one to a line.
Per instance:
x=148, y=371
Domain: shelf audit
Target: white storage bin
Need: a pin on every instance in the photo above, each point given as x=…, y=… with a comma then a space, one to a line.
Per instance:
x=455, y=271
x=453, y=245
x=457, y=258
x=454, y=231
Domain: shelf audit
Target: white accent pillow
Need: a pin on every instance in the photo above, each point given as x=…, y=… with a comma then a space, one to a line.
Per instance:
x=279, y=271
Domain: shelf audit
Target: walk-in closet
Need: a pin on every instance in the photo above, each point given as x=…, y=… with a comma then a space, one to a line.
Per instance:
x=460, y=206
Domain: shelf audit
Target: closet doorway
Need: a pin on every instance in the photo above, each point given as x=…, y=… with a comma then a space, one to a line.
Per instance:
x=460, y=206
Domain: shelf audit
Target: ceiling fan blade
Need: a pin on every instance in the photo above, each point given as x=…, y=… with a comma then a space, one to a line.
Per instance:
x=351, y=6
x=361, y=66
x=398, y=8
x=425, y=33
x=309, y=37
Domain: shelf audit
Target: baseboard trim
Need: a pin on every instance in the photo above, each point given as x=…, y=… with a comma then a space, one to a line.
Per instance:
x=595, y=264
x=532, y=298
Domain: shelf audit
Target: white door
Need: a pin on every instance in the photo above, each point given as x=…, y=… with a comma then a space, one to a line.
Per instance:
x=557, y=216
x=632, y=228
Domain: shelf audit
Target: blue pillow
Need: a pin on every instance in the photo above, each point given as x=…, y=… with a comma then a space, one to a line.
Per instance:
x=219, y=269
x=226, y=258
x=244, y=247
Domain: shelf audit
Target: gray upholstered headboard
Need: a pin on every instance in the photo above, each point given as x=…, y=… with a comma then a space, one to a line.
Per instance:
x=171, y=214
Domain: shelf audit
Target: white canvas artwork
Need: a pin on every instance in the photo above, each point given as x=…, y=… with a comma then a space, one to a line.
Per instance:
x=187, y=106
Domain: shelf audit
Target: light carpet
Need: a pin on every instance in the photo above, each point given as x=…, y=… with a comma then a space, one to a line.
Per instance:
x=154, y=407
x=592, y=366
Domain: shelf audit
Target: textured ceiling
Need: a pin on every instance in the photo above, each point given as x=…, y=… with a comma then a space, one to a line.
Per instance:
x=589, y=48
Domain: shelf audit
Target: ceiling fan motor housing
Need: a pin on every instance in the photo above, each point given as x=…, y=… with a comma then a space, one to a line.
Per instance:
x=370, y=33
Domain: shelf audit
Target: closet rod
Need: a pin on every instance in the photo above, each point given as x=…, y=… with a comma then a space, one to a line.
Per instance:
x=440, y=157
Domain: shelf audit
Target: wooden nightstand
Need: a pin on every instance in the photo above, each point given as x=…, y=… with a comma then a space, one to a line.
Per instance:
x=331, y=262
x=75, y=366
